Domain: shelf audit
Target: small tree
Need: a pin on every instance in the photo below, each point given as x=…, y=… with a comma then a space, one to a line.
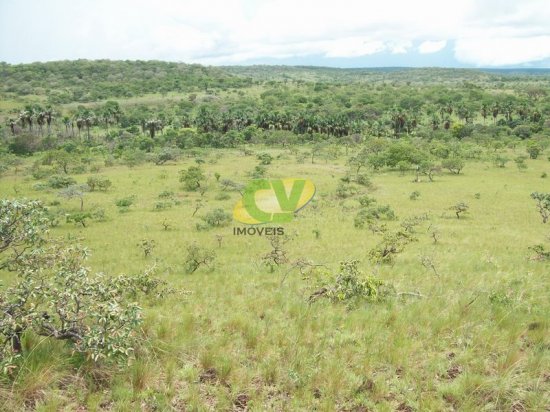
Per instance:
x=265, y=158
x=23, y=225
x=78, y=218
x=543, y=204
x=147, y=246
x=460, y=208
x=165, y=155
x=520, y=162
x=217, y=218
x=198, y=256
x=534, y=149
x=193, y=178
x=350, y=285
x=63, y=160
x=391, y=245
x=453, y=165
x=75, y=191
x=125, y=203
x=55, y=295
x=99, y=183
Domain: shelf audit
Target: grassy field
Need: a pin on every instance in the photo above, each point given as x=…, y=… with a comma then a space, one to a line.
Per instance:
x=468, y=331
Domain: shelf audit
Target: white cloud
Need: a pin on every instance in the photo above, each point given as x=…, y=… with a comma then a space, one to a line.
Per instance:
x=502, y=51
x=429, y=46
x=488, y=32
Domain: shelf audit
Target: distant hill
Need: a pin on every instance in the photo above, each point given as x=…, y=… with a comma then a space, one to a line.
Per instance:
x=91, y=80
x=94, y=80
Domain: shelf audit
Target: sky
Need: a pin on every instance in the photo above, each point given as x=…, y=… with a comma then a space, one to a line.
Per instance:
x=337, y=33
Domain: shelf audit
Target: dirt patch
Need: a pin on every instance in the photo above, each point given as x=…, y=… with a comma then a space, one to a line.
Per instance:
x=241, y=401
x=210, y=375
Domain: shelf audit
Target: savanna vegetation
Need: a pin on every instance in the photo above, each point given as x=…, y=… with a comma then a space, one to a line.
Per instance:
x=416, y=278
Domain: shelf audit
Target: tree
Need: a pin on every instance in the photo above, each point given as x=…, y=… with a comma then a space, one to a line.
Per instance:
x=198, y=256
x=534, y=149
x=12, y=123
x=193, y=178
x=217, y=218
x=543, y=204
x=62, y=159
x=484, y=111
x=453, y=164
x=23, y=225
x=152, y=126
x=49, y=116
x=460, y=208
x=55, y=295
x=495, y=110
x=75, y=191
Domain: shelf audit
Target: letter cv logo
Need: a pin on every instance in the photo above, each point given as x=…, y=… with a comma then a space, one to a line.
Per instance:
x=273, y=200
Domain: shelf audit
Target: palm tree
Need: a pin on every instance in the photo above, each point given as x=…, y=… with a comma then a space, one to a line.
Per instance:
x=89, y=122
x=49, y=114
x=508, y=109
x=484, y=111
x=68, y=123
x=152, y=126
x=435, y=122
x=398, y=119
x=79, y=124
x=495, y=110
x=40, y=120
x=26, y=117
x=523, y=111
x=12, y=123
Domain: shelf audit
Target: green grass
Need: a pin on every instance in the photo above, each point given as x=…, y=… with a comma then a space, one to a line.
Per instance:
x=455, y=348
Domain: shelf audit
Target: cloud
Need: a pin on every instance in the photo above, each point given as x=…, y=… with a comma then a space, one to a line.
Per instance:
x=502, y=51
x=484, y=33
x=429, y=46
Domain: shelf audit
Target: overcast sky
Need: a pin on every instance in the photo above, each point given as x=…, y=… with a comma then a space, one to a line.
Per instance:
x=343, y=33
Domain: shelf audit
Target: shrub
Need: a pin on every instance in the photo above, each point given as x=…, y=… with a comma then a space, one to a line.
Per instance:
x=391, y=245
x=57, y=297
x=350, y=285
x=258, y=172
x=98, y=182
x=166, y=194
x=60, y=181
x=414, y=195
x=78, y=218
x=540, y=252
x=165, y=155
x=460, y=208
x=520, y=162
x=217, y=218
x=192, y=178
x=453, y=165
x=125, y=203
x=366, y=200
x=23, y=225
x=222, y=196
x=346, y=190
x=265, y=158
x=363, y=180
x=534, y=149
x=543, y=204
x=500, y=161
x=198, y=256
x=368, y=215
x=163, y=205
